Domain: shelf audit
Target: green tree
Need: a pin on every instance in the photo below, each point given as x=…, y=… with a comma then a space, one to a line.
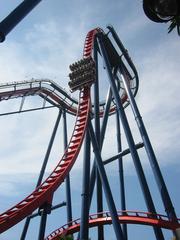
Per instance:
x=175, y=23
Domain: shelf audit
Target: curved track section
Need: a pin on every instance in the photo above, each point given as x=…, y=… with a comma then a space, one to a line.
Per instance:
x=130, y=217
x=44, y=192
x=49, y=91
x=45, y=88
x=57, y=96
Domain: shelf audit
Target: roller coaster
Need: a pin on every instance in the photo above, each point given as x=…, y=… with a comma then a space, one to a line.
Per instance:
x=89, y=131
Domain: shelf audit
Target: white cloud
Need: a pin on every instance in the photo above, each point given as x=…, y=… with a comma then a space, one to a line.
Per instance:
x=46, y=55
x=159, y=94
x=46, y=51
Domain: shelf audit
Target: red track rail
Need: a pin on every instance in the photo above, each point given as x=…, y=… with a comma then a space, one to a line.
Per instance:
x=130, y=217
x=42, y=92
x=49, y=90
x=56, y=99
x=44, y=192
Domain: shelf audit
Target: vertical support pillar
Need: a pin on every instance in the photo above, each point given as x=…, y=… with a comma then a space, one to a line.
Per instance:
x=130, y=140
x=103, y=130
x=105, y=184
x=150, y=152
x=67, y=181
x=97, y=133
x=42, y=225
x=102, y=133
x=43, y=168
x=46, y=209
x=148, y=147
x=84, y=229
x=121, y=173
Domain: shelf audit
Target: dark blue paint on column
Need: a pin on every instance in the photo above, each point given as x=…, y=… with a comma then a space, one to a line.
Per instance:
x=121, y=173
x=97, y=133
x=43, y=168
x=105, y=184
x=129, y=137
x=67, y=180
x=16, y=16
x=84, y=229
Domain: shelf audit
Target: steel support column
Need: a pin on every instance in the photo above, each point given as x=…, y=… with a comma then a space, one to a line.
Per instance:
x=150, y=153
x=49, y=149
x=102, y=133
x=97, y=133
x=130, y=140
x=67, y=180
x=43, y=168
x=105, y=184
x=16, y=16
x=121, y=173
x=84, y=229
x=43, y=221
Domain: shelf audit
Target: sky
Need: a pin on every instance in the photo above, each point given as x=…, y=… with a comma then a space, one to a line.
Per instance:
x=43, y=45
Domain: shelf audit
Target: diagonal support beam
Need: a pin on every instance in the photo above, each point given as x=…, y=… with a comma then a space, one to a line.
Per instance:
x=28, y=219
x=129, y=137
x=105, y=184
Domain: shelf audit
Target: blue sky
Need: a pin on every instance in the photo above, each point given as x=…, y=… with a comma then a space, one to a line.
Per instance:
x=49, y=39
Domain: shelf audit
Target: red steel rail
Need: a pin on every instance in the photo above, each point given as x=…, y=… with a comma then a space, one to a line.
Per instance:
x=51, y=92
x=103, y=218
x=44, y=192
x=54, y=94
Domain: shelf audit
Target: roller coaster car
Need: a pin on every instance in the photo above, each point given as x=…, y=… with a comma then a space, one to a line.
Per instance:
x=83, y=74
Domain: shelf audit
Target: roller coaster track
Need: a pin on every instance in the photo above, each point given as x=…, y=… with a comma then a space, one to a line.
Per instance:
x=45, y=88
x=58, y=97
x=130, y=217
x=44, y=193
x=50, y=92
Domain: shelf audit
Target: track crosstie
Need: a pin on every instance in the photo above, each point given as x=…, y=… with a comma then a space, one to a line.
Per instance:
x=44, y=192
x=104, y=218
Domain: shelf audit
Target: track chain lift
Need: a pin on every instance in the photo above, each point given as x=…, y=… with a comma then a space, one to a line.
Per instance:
x=83, y=74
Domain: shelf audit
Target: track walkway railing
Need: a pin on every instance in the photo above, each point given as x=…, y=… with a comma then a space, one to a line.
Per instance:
x=104, y=218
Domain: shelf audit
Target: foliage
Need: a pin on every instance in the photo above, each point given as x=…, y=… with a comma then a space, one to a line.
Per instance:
x=175, y=23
